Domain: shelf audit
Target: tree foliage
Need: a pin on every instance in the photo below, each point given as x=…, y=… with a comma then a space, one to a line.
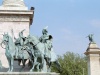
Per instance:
x=71, y=64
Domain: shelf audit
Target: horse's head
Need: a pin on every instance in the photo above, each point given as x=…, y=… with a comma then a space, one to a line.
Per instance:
x=31, y=39
x=5, y=37
x=26, y=40
x=5, y=40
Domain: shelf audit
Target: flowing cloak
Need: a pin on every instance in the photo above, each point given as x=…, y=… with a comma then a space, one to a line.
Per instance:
x=53, y=55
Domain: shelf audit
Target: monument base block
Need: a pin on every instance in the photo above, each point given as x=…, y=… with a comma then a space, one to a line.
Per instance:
x=28, y=73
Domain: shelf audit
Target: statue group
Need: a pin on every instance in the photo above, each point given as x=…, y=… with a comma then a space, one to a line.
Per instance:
x=39, y=51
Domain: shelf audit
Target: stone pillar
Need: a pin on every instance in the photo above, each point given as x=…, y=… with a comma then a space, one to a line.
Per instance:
x=14, y=15
x=93, y=59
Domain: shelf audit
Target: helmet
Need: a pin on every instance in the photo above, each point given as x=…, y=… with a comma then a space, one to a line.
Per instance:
x=44, y=31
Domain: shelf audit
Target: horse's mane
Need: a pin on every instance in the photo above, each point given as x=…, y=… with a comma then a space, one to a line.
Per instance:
x=35, y=37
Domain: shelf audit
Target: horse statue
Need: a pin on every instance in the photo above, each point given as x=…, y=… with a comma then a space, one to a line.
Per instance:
x=11, y=51
x=39, y=52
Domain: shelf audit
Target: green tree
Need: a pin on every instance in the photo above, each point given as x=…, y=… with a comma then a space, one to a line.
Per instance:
x=71, y=64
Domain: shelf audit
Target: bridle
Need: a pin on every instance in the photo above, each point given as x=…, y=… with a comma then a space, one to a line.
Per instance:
x=2, y=43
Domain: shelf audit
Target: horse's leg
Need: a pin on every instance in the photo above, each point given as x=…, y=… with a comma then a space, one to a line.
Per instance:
x=9, y=62
x=30, y=63
x=38, y=68
x=33, y=65
x=42, y=56
x=48, y=61
x=12, y=59
x=23, y=62
x=49, y=66
x=19, y=61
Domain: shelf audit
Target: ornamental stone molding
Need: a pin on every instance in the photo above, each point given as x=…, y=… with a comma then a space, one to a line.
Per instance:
x=13, y=18
x=14, y=3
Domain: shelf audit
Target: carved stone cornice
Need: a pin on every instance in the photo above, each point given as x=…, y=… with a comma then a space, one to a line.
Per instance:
x=9, y=18
x=8, y=15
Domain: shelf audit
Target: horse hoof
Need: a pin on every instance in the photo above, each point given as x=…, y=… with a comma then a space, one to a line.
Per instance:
x=31, y=70
x=8, y=71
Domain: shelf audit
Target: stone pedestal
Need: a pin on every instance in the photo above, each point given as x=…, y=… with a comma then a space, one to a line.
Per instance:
x=27, y=73
x=93, y=57
x=14, y=15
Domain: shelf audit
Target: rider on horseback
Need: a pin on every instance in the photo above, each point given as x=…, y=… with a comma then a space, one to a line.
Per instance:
x=43, y=39
x=19, y=42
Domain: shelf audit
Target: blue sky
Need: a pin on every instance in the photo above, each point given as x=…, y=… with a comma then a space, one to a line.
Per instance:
x=69, y=21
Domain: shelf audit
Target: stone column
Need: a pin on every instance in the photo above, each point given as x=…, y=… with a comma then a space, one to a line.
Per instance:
x=14, y=15
x=93, y=59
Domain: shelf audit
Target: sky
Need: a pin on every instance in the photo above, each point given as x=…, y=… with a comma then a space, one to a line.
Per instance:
x=68, y=21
